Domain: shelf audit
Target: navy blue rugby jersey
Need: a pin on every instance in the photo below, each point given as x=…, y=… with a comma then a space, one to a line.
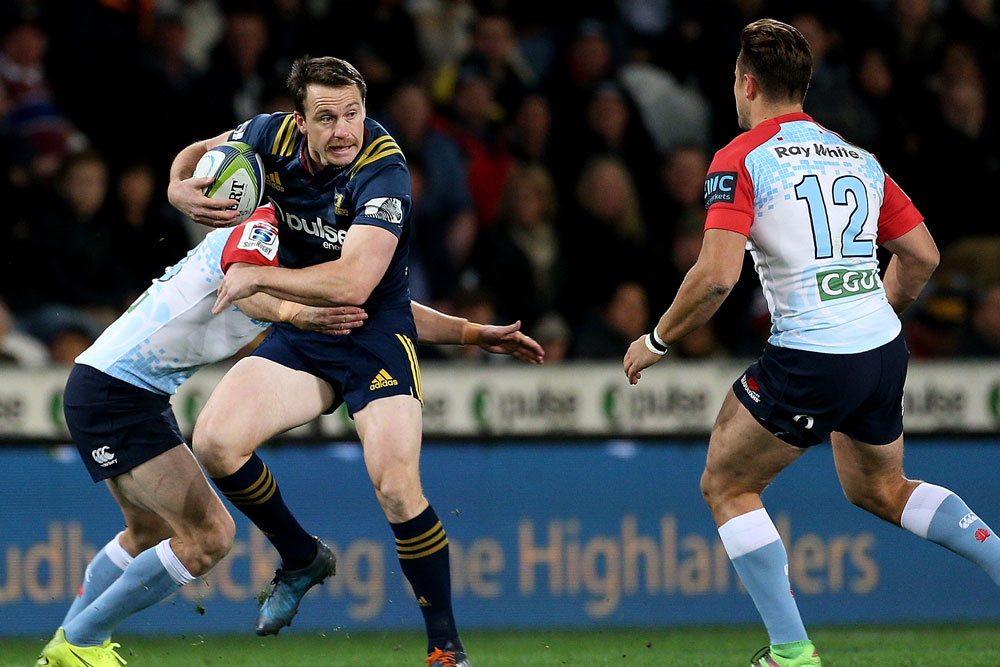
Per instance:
x=315, y=211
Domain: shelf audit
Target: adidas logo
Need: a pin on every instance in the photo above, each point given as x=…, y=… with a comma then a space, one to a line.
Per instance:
x=382, y=380
x=274, y=181
x=422, y=601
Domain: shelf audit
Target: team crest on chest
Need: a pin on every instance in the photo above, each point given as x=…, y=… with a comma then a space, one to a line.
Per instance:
x=338, y=204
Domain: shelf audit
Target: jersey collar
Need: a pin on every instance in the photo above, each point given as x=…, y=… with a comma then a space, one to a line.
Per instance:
x=786, y=118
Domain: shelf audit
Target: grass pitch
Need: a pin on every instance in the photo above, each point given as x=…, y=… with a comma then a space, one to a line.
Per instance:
x=909, y=646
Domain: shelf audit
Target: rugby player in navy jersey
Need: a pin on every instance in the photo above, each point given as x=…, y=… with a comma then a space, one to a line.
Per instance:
x=341, y=189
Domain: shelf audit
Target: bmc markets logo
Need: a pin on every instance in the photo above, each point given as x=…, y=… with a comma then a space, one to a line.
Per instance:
x=841, y=283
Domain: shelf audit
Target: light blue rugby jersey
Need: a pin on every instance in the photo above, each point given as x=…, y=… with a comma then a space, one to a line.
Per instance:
x=170, y=332
x=814, y=208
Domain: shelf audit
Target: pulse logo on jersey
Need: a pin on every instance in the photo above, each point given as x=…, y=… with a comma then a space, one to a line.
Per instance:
x=720, y=186
x=333, y=238
x=842, y=283
x=261, y=237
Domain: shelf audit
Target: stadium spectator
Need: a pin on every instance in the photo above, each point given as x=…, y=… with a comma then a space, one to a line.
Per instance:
x=445, y=225
x=982, y=339
x=78, y=218
x=17, y=347
x=148, y=236
x=603, y=237
x=494, y=54
x=238, y=73
x=385, y=51
x=473, y=121
x=530, y=137
x=553, y=333
x=29, y=107
x=608, y=329
x=519, y=258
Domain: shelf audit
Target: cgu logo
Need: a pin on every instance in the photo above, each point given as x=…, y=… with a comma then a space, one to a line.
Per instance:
x=842, y=283
x=334, y=237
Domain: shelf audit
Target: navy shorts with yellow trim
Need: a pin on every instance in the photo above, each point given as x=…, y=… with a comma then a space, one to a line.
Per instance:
x=801, y=397
x=115, y=425
x=374, y=361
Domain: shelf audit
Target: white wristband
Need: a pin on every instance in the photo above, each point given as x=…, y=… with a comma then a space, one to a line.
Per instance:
x=658, y=340
x=651, y=346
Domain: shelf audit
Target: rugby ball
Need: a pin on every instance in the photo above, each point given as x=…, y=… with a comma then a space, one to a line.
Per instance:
x=238, y=173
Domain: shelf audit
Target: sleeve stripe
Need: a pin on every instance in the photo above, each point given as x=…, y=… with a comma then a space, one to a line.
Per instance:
x=375, y=150
x=289, y=120
x=286, y=148
x=385, y=151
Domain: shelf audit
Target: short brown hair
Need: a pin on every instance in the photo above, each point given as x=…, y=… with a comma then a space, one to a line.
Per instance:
x=778, y=56
x=325, y=71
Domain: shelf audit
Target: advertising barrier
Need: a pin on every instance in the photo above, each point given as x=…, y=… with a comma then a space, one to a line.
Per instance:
x=587, y=399
x=562, y=534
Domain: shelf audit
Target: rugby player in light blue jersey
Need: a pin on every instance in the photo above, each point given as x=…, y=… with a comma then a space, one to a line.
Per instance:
x=811, y=208
x=118, y=412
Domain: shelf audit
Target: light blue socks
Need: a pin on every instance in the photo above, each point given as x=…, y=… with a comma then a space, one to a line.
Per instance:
x=937, y=514
x=102, y=571
x=150, y=577
x=755, y=548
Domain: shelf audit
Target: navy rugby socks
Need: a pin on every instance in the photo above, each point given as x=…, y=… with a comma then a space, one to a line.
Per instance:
x=422, y=547
x=253, y=490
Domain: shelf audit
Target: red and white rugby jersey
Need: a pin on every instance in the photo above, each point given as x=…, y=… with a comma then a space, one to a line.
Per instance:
x=813, y=208
x=170, y=332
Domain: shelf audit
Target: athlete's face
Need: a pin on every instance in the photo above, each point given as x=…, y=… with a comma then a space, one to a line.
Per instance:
x=742, y=103
x=333, y=124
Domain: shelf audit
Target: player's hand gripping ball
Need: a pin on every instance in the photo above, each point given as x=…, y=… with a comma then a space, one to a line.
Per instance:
x=238, y=173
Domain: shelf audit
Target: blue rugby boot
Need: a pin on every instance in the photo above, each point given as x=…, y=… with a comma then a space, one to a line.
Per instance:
x=287, y=588
x=451, y=655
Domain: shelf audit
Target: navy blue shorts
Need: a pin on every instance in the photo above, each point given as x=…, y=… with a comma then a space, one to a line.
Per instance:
x=116, y=426
x=376, y=360
x=801, y=397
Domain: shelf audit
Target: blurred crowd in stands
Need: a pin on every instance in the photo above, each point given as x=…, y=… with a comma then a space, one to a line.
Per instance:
x=557, y=150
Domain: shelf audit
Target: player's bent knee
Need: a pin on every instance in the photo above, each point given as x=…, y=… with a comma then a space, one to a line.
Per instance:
x=882, y=501
x=214, y=539
x=212, y=449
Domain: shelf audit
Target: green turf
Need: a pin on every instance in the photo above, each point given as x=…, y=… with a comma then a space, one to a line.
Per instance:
x=914, y=646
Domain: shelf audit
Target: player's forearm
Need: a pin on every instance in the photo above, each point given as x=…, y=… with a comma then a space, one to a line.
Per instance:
x=184, y=163
x=267, y=308
x=328, y=284
x=437, y=328
x=904, y=280
x=696, y=302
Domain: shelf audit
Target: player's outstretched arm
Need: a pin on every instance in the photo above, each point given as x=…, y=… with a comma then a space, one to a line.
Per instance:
x=186, y=193
x=437, y=328
x=333, y=321
x=914, y=258
x=703, y=290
